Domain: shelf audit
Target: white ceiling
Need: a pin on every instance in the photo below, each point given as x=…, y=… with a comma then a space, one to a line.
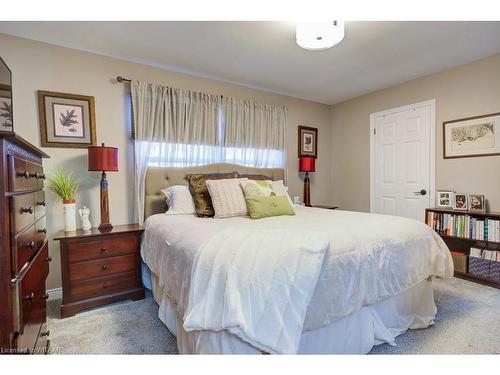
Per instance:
x=264, y=55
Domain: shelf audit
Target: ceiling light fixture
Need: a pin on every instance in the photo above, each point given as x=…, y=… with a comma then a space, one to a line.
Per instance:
x=316, y=36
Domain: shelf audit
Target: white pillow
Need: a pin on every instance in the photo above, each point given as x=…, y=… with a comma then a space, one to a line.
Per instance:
x=179, y=200
x=280, y=189
x=227, y=197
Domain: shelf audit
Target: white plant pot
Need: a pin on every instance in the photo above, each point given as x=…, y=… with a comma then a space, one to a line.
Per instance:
x=69, y=217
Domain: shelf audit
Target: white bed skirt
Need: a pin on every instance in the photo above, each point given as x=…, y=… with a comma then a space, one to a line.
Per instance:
x=355, y=334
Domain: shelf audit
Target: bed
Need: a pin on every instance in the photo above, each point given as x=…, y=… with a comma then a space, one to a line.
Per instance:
x=319, y=282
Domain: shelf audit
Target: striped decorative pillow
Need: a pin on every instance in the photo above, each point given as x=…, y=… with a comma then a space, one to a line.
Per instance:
x=227, y=197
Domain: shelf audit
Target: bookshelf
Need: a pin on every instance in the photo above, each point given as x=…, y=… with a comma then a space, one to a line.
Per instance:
x=463, y=245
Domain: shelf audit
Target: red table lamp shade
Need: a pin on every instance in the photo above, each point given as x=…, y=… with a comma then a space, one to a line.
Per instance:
x=307, y=164
x=102, y=158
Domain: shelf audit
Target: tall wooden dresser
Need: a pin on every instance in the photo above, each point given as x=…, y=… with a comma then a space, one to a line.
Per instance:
x=24, y=259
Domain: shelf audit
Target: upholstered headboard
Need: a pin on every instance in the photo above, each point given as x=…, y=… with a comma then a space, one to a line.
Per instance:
x=158, y=178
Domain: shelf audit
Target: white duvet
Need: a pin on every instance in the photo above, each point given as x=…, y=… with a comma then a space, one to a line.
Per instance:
x=368, y=258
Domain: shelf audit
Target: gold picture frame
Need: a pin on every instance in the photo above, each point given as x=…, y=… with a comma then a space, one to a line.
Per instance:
x=66, y=120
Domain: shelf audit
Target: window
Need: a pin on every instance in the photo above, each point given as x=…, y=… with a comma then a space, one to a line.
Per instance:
x=162, y=154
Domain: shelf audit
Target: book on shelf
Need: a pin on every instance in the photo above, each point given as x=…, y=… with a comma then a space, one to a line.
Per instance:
x=493, y=255
x=465, y=226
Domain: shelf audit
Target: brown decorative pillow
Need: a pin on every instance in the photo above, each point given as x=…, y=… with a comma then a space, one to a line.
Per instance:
x=199, y=190
x=259, y=177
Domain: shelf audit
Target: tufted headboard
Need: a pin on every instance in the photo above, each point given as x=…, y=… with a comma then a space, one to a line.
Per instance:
x=158, y=178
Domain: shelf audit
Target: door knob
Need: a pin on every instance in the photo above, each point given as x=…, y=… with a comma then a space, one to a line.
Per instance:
x=421, y=192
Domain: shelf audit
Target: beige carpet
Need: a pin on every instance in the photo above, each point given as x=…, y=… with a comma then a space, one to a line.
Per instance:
x=468, y=322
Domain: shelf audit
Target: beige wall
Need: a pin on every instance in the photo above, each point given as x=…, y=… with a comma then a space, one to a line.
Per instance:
x=464, y=91
x=39, y=66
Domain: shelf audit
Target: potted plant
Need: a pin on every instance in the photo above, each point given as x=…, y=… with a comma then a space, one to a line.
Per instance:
x=65, y=185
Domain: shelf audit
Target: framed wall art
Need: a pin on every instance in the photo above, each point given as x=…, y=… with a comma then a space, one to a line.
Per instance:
x=472, y=136
x=308, y=141
x=66, y=120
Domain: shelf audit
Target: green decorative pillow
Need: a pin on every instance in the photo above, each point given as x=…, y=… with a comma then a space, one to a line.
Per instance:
x=253, y=188
x=267, y=206
x=199, y=190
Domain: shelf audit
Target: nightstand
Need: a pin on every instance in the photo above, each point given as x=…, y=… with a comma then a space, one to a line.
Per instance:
x=100, y=267
x=325, y=207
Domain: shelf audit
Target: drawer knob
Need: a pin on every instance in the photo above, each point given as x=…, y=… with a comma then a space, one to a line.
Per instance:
x=41, y=203
x=30, y=297
x=103, y=249
x=24, y=174
x=45, y=296
x=104, y=285
x=46, y=333
x=27, y=210
x=48, y=259
x=44, y=230
x=105, y=267
x=30, y=245
x=42, y=176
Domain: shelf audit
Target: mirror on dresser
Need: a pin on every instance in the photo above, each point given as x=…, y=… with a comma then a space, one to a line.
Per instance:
x=6, y=113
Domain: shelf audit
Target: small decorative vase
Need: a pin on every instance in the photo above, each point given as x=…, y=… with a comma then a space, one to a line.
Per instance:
x=84, y=216
x=69, y=215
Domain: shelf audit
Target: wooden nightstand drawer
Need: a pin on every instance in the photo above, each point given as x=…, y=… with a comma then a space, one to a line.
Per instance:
x=102, y=248
x=102, y=267
x=104, y=285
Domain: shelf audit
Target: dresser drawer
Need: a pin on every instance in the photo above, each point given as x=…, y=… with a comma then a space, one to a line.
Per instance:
x=24, y=247
x=103, y=248
x=31, y=301
x=102, y=267
x=103, y=285
x=24, y=175
x=39, y=204
x=23, y=211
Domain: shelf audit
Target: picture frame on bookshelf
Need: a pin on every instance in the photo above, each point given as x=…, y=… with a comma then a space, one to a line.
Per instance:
x=461, y=202
x=444, y=198
x=477, y=203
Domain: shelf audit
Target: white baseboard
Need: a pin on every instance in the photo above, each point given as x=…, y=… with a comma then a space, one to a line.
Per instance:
x=55, y=293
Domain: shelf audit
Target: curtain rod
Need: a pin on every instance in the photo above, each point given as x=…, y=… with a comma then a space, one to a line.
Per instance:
x=122, y=79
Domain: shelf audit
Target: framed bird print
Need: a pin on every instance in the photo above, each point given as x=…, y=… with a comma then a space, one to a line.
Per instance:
x=66, y=120
x=308, y=141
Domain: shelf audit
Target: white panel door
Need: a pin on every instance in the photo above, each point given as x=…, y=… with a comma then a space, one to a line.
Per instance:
x=403, y=166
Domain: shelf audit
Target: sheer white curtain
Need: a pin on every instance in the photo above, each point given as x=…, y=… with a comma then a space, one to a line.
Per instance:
x=172, y=127
x=254, y=133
